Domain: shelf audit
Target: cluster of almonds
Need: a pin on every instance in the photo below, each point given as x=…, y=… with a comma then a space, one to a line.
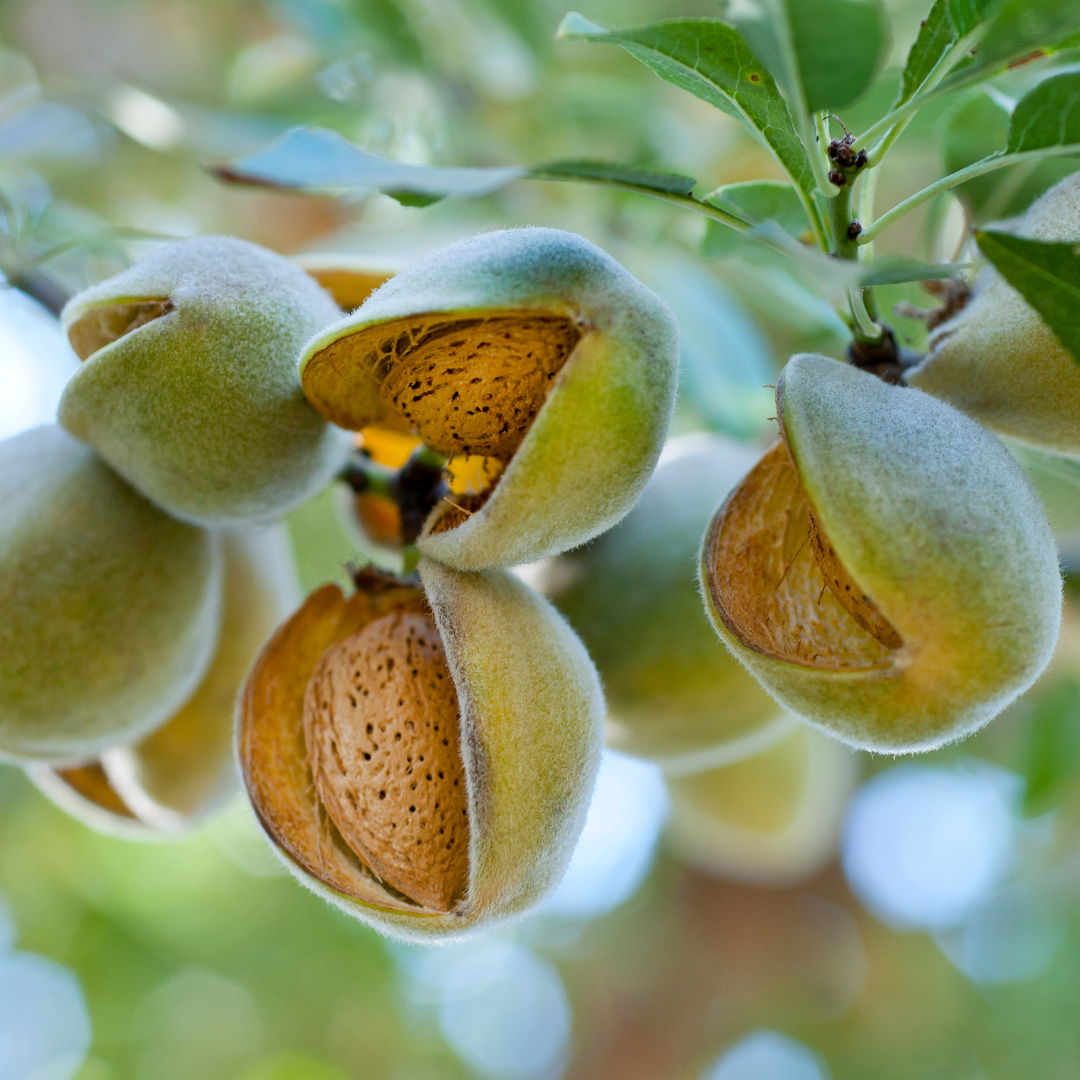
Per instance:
x=421, y=751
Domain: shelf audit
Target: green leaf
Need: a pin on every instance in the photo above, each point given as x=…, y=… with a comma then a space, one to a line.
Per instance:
x=710, y=60
x=1049, y=115
x=823, y=53
x=755, y=202
x=1047, y=276
x=1019, y=28
x=316, y=159
x=978, y=129
x=388, y=26
x=1051, y=757
x=615, y=175
x=947, y=22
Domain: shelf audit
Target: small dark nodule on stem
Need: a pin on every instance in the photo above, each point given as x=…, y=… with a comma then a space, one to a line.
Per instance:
x=853, y=229
x=883, y=357
x=849, y=163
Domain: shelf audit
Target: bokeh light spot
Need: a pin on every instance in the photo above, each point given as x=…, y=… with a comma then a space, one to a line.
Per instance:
x=197, y=1024
x=505, y=1012
x=767, y=1055
x=35, y=363
x=923, y=845
x=44, y=1024
x=1013, y=936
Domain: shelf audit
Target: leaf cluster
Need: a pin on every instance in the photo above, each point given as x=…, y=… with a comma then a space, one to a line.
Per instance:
x=783, y=68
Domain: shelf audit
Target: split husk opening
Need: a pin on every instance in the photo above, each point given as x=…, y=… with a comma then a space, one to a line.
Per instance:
x=349, y=747
x=103, y=325
x=92, y=783
x=467, y=386
x=778, y=585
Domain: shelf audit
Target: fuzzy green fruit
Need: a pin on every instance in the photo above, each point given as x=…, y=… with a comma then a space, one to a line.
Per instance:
x=674, y=693
x=530, y=349
x=110, y=607
x=998, y=361
x=772, y=819
x=450, y=732
x=190, y=388
x=170, y=780
x=886, y=571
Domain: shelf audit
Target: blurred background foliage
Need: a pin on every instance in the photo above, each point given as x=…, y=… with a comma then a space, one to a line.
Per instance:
x=945, y=941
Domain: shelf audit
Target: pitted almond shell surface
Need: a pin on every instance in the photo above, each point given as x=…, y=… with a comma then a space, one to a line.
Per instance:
x=527, y=347
x=465, y=385
x=381, y=728
x=273, y=753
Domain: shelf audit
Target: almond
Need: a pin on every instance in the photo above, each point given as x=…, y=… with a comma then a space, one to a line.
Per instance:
x=381, y=729
x=885, y=571
x=531, y=354
x=422, y=754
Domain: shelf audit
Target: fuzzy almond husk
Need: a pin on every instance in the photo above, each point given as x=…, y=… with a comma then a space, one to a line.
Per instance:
x=189, y=387
x=530, y=711
x=886, y=572
x=110, y=607
x=536, y=348
x=675, y=695
x=773, y=819
x=169, y=781
x=998, y=361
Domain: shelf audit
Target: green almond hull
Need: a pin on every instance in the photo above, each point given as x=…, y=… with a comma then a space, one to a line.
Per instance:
x=675, y=695
x=588, y=454
x=937, y=523
x=999, y=362
x=201, y=409
x=532, y=713
x=110, y=607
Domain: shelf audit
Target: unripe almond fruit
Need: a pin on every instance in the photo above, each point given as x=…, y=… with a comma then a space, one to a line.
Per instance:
x=110, y=607
x=189, y=387
x=170, y=780
x=773, y=819
x=531, y=348
x=423, y=756
x=998, y=361
x=675, y=695
x=886, y=571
